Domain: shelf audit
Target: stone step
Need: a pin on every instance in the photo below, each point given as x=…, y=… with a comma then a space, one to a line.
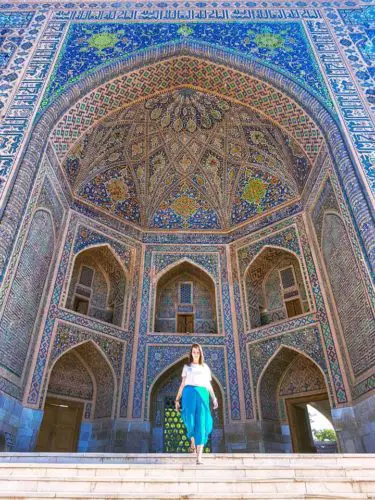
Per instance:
x=188, y=485
x=25, y=495
x=223, y=476
x=210, y=458
x=173, y=471
x=72, y=496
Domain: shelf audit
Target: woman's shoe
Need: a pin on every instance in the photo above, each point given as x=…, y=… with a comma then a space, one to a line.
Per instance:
x=199, y=462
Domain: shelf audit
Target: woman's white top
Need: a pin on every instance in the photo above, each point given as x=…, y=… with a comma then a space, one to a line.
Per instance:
x=197, y=375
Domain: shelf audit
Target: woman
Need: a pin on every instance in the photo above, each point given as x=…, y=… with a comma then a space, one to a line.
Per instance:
x=196, y=389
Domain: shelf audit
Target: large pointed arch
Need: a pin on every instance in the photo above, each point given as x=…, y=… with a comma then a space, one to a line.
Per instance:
x=178, y=262
x=287, y=88
x=111, y=249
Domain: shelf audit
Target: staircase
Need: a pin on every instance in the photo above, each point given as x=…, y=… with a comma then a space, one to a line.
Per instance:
x=162, y=476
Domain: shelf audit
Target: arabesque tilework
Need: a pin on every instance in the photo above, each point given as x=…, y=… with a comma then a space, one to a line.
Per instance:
x=186, y=71
x=283, y=45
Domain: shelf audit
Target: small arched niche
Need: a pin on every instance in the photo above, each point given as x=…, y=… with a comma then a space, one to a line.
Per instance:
x=274, y=287
x=185, y=301
x=98, y=286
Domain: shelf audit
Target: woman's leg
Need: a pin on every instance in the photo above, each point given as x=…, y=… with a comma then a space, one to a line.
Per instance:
x=192, y=445
x=199, y=453
x=188, y=411
x=203, y=422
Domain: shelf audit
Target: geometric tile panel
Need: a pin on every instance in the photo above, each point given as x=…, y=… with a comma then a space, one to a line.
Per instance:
x=186, y=160
x=192, y=72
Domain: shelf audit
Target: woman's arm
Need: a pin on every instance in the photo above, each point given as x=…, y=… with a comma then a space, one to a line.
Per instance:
x=211, y=391
x=179, y=394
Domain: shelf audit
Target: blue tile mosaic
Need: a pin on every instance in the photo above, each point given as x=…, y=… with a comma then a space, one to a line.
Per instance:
x=283, y=46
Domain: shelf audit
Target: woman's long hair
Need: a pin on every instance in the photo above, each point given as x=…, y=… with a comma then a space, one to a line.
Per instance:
x=201, y=355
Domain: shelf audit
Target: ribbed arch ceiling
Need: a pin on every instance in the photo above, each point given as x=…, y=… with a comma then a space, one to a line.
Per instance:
x=186, y=159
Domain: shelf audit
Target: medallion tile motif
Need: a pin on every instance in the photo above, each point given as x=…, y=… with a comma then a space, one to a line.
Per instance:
x=186, y=160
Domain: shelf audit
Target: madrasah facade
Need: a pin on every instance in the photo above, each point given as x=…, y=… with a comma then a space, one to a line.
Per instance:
x=182, y=172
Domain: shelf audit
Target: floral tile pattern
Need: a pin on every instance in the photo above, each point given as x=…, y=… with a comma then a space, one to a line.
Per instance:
x=281, y=45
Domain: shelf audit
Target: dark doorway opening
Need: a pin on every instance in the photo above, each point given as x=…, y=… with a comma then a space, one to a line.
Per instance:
x=300, y=424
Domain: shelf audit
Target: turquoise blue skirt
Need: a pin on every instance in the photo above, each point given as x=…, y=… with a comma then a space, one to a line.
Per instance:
x=196, y=413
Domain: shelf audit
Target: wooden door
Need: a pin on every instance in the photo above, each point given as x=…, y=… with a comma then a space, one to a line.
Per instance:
x=60, y=426
x=185, y=323
x=180, y=323
x=293, y=307
x=190, y=323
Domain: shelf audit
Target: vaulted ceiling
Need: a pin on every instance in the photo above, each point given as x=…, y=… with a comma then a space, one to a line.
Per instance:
x=185, y=159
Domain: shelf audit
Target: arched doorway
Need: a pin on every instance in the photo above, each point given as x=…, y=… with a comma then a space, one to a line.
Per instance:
x=81, y=388
x=168, y=431
x=185, y=301
x=289, y=383
x=275, y=288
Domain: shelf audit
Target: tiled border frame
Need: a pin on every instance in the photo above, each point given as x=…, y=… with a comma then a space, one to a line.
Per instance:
x=357, y=121
x=242, y=8
x=22, y=106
